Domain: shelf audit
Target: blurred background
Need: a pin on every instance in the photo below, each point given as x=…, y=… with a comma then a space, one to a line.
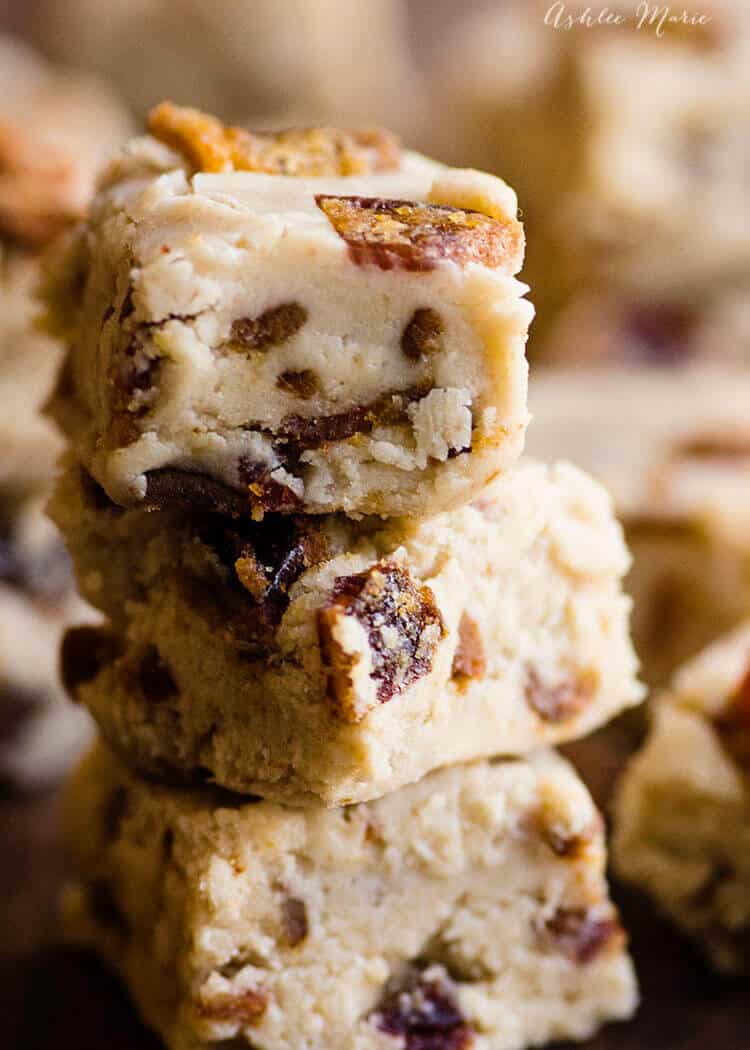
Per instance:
x=629, y=147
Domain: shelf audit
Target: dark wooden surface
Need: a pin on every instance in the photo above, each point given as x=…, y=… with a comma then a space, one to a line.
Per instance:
x=57, y=999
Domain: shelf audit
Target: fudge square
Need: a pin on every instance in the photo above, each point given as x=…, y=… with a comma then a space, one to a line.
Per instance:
x=467, y=911
x=317, y=319
x=675, y=455
x=321, y=659
x=683, y=808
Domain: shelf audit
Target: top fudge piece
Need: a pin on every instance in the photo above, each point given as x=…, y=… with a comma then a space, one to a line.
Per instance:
x=314, y=318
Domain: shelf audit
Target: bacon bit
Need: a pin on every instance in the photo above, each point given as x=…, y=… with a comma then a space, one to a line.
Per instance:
x=423, y=335
x=212, y=146
x=469, y=660
x=294, y=917
x=402, y=625
x=408, y=235
x=582, y=937
x=422, y=1010
x=303, y=384
x=557, y=703
x=245, y=1007
x=271, y=328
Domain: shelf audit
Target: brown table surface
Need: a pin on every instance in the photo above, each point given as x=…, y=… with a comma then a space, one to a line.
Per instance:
x=53, y=998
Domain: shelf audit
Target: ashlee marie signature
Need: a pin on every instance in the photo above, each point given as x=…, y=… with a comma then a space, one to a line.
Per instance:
x=657, y=17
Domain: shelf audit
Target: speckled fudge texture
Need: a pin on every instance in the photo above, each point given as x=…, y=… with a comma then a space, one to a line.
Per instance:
x=683, y=808
x=321, y=659
x=315, y=318
x=467, y=911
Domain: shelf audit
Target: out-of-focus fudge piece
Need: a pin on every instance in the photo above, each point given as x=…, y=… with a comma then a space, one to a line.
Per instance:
x=314, y=318
x=40, y=731
x=467, y=911
x=683, y=807
x=620, y=330
x=646, y=191
x=246, y=60
x=321, y=659
x=28, y=365
x=56, y=128
x=675, y=454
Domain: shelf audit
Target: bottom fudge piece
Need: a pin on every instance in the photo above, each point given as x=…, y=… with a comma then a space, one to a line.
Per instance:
x=469, y=910
x=683, y=808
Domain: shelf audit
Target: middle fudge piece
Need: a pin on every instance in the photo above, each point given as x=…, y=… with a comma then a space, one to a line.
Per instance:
x=310, y=659
x=466, y=912
x=315, y=319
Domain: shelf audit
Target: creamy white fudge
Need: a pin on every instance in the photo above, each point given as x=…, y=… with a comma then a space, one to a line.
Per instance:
x=467, y=912
x=321, y=659
x=682, y=829
x=316, y=319
x=674, y=452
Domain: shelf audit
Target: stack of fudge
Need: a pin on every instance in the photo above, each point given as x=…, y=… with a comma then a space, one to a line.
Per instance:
x=345, y=622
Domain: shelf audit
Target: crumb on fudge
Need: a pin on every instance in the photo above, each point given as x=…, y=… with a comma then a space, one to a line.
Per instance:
x=212, y=146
